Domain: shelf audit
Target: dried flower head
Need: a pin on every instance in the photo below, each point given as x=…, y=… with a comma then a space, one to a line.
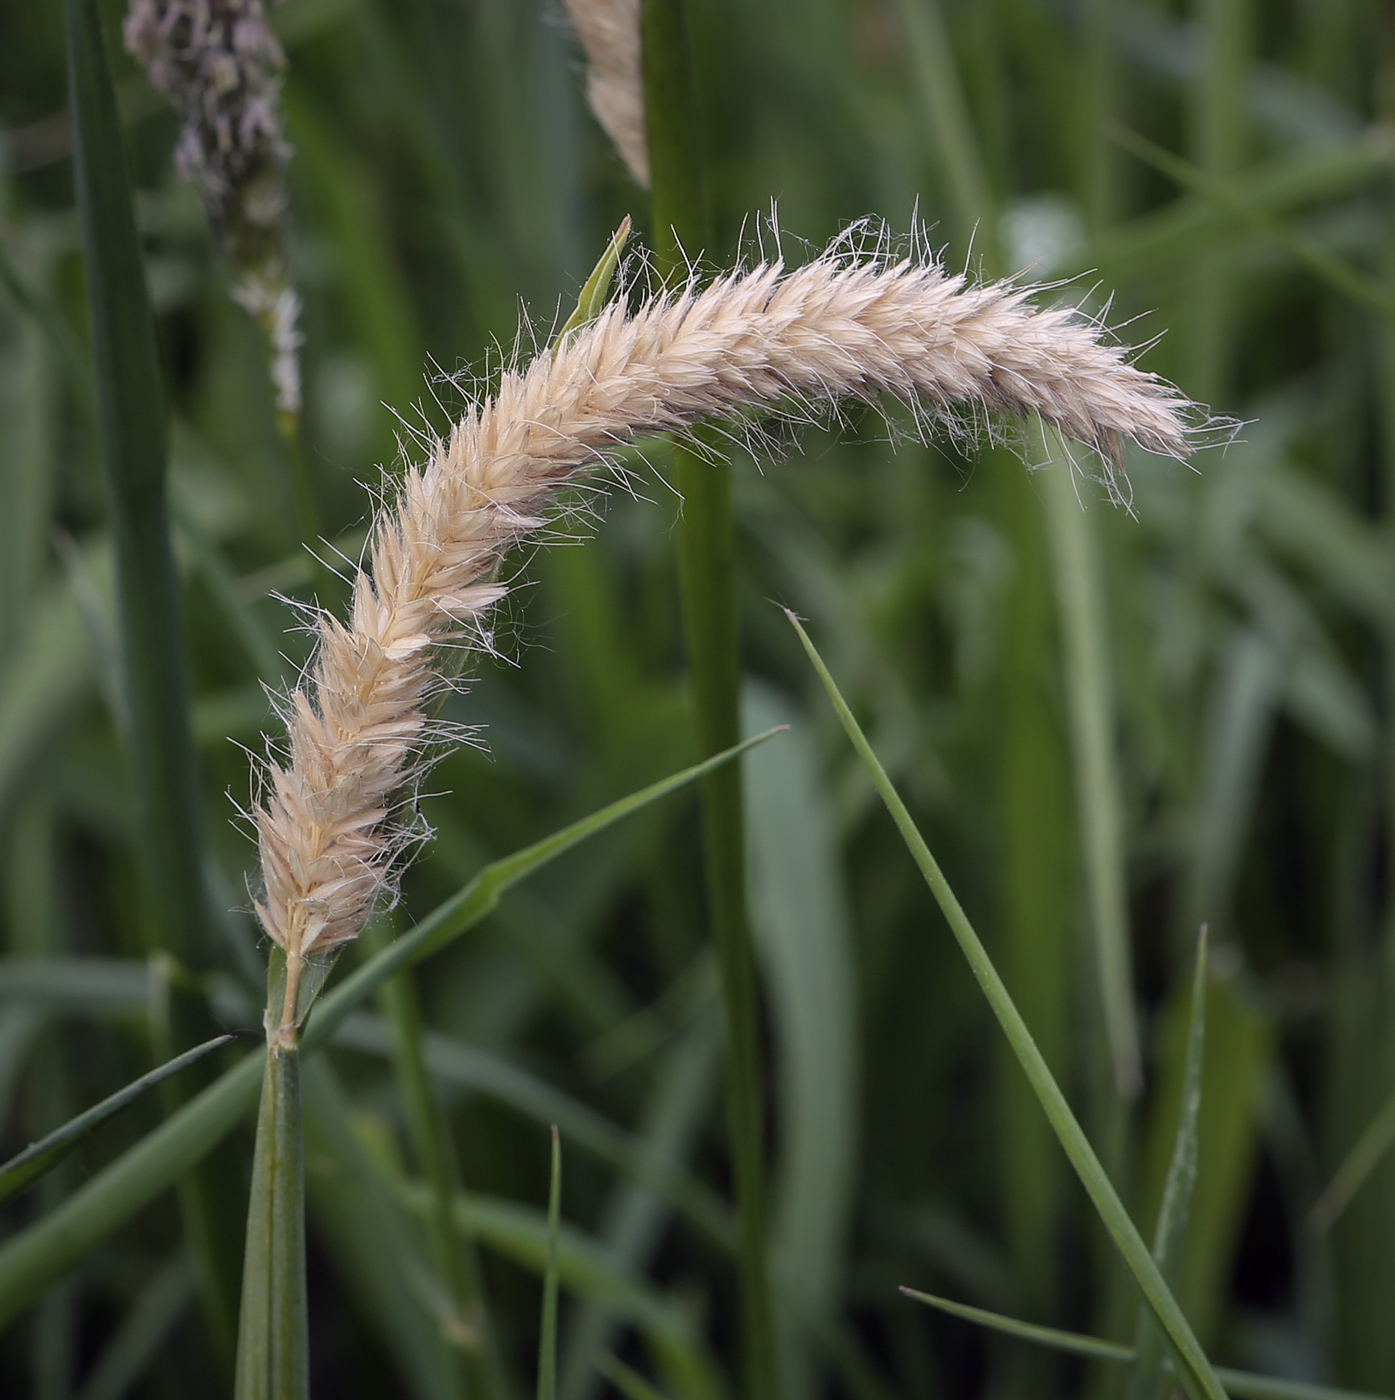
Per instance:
x=219, y=63
x=845, y=325
x=609, y=32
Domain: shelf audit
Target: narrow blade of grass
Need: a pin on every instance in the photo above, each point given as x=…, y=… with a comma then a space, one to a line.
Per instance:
x=374, y=1246
x=1073, y=1342
x=1364, y=1157
x=547, y=1345
x=429, y=1133
x=947, y=117
x=1171, y=1231
x=167, y=819
x=467, y=1066
x=482, y=895
x=1245, y=1385
x=1196, y=1371
x=27, y=1166
x=131, y=416
x=626, y=1379
x=273, y=1353
x=47, y=1249
x=590, y=1270
x=154, y=1312
x=1338, y=275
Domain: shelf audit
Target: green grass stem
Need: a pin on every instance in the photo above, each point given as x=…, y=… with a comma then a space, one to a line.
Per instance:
x=273, y=1345
x=1196, y=1371
x=711, y=629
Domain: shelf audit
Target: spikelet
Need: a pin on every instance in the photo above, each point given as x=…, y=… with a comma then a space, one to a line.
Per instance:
x=219, y=62
x=843, y=326
x=609, y=32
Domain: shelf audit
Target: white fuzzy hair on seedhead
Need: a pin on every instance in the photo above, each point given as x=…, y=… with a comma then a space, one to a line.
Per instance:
x=857, y=322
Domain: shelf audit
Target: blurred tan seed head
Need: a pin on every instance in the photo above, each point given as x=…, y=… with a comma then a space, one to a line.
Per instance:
x=609, y=32
x=219, y=62
x=846, y=325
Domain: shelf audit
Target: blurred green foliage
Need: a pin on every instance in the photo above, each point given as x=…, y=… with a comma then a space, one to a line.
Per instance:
x=446, y=174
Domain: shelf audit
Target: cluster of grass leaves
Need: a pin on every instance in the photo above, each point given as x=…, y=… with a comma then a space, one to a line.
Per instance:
x=1110, y=725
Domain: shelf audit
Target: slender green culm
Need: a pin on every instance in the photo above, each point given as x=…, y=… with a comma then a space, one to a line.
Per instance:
x=707, y=581
x=273, y=1352
x=547, y=1344
x=1195, y=1370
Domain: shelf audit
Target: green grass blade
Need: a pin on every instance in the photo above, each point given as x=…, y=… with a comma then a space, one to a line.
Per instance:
x=82, y=984
x=1072, y=1342
x=27, y=1166
x=36, y=1257
x=377, y=1251
x=678, y=191
x=634, y=1219
x=1171, y=238
x=273, y=1353
x=1246, y=1385
x=947, y=117
x=799, y=911
x=1219, y=130
x=707, y=574
x=589, y=1270
x=49, y=1248
x=466, y=1066
x=547, y=1345
x=167, y=817
x=626, y=1379
x=1081, y=595
x=1338, y=275
x=596, y=289
x=1181, y=1173
x=434, y=1151
x=153, y=1314
x=1197, y=1373
x=1364, y=1157
x=480, y=897
x=131, y=414
x=1171, y=1230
